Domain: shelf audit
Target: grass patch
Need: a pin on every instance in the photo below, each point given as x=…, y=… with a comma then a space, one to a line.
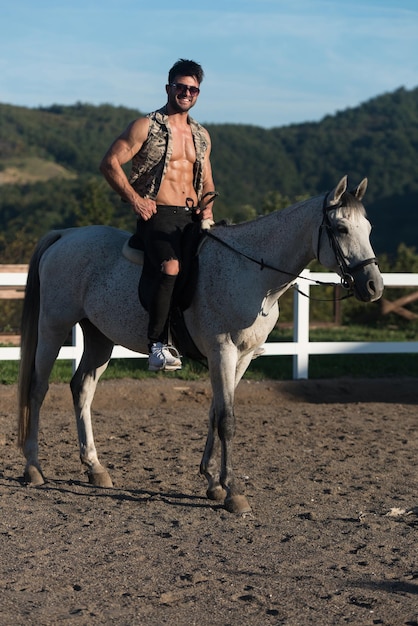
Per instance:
x=23, y=170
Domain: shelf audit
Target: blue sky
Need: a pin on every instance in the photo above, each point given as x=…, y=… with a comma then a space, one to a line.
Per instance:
x=267, y=62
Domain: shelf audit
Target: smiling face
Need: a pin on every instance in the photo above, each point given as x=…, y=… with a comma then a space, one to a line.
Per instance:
x=182, y=93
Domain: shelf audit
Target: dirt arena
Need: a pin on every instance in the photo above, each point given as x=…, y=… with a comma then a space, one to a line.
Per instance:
x=331, y=474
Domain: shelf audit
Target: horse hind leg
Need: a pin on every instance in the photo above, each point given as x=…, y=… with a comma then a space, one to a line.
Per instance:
x=37, y=384
x=95, y=359
x=33, y=475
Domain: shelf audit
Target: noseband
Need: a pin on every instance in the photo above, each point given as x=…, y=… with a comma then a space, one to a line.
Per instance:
x=346, y=270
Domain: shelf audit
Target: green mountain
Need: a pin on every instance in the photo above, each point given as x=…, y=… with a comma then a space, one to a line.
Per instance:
x=49, y=165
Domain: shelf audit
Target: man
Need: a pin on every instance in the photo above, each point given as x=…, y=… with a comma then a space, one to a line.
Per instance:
x=171, y=173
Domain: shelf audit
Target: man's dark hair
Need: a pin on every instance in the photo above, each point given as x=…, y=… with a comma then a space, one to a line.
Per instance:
x=183, y=67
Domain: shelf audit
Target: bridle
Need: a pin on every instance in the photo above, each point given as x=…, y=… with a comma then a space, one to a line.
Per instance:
x=347, y=270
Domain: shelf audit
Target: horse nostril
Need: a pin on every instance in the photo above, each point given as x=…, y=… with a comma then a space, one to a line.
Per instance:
x=371, y=287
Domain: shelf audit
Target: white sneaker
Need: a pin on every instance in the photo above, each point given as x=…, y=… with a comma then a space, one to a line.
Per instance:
x=163, y=357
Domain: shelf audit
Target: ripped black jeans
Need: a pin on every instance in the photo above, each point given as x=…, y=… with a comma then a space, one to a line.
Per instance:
x=161, y=239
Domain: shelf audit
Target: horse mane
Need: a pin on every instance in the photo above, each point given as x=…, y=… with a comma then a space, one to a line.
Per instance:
x=351, y=205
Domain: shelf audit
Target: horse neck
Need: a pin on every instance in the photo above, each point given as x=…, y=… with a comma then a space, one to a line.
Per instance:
x=283, y=239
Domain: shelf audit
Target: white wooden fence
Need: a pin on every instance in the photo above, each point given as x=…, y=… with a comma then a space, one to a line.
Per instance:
x=300, y=347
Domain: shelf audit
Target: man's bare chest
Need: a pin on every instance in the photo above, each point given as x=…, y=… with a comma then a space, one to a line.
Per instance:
x=183, y=145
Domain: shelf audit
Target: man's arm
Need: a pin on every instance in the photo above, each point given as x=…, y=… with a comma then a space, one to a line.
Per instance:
x=208, y=185
x=120, y=152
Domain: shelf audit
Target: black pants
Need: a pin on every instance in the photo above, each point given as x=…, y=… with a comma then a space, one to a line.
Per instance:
x=161, y=237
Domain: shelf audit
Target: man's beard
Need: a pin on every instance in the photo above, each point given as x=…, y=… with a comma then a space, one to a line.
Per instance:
x=178, y=108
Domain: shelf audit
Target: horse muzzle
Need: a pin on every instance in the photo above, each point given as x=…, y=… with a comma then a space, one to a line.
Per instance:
x=365, y=280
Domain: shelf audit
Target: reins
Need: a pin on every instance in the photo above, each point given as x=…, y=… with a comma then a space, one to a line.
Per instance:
x=264, y=265
x=347, y=280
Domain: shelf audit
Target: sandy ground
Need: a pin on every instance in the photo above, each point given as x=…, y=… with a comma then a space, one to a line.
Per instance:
x=331, y=474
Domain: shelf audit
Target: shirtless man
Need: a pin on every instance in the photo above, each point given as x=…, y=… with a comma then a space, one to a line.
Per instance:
x=171, y=172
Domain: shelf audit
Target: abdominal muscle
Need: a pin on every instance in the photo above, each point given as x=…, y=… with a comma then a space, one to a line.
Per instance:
x=177, y=184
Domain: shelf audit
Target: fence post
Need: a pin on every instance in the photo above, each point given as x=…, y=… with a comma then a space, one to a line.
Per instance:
x=301, y=327
x=78, y=343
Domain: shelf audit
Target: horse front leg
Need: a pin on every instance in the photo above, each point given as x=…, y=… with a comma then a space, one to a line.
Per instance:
x=224, y=380
x=96, y=356
x=235, y=501
x=209, y=465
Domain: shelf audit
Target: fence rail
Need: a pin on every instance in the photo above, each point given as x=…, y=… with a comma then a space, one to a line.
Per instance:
x=13, y=280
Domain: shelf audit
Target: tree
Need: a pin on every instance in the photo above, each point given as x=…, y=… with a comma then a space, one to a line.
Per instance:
x=273, y=201
x=95, y=206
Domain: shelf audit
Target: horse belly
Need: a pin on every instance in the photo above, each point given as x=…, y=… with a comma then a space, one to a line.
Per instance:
x=113, y=307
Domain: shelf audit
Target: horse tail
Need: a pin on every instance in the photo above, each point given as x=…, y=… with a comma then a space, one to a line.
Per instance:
x=29, y=334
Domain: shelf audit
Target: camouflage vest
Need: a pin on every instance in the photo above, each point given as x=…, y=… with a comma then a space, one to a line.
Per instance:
x=149, y=165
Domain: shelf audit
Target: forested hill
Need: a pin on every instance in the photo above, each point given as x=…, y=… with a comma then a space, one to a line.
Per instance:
x=49, y=166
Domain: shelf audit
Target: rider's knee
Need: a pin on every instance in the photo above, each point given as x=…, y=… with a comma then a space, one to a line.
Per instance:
x=170, y=267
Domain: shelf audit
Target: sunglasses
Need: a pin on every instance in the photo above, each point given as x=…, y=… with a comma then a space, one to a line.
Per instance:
x=181, y=88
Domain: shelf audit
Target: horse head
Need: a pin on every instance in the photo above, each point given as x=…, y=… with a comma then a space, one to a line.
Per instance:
x=347, y=248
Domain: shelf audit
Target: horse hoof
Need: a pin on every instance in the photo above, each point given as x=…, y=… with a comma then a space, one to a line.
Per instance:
x=100, y=479
x=217, y=493
x=237, y=504
x=33, y=476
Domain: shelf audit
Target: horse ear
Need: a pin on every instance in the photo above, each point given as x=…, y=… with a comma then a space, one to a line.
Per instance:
x=339, y=190
x=360, y=190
